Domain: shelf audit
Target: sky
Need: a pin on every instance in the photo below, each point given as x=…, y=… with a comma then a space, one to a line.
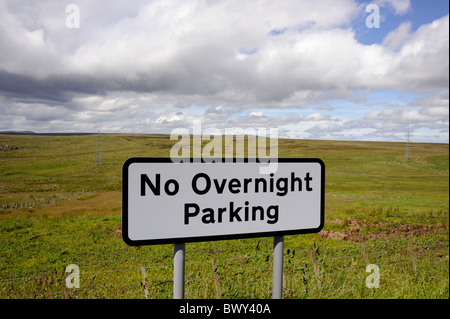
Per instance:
x=313, y=69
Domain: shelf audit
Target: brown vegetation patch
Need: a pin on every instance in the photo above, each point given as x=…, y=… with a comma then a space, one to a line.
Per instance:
x=118, y=232
x=355, y=235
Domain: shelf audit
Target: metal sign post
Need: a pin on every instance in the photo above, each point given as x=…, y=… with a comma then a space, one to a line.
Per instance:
x=179, y=253
x=277, y=272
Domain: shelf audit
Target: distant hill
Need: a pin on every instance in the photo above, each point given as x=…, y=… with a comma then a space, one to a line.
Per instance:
x=17, y=132
x=47, y=134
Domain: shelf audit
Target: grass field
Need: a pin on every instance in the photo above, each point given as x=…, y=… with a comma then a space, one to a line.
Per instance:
x=58, y=208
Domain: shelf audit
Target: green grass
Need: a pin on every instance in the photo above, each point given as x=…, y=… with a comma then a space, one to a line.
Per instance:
x=380, y=209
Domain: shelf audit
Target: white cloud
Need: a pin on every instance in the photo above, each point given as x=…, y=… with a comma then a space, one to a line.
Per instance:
x=141, y=66
x=190, y=47
x=172, y=117
x=315, y=117
x=424, y=115
x=400, y=6
x=324, y=128
x=421, y=61
x=25, y=51
x=395, y=39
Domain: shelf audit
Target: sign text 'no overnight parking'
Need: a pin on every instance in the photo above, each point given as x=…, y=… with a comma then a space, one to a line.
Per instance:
x=165, y=202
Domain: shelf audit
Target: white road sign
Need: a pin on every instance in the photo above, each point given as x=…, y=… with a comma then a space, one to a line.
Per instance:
x=165, y=202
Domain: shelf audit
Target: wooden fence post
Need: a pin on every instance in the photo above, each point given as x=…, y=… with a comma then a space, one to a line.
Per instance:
x=413, y=255
x=316, y=267
x=216, y=278
x=144, y=281
x=365, y=254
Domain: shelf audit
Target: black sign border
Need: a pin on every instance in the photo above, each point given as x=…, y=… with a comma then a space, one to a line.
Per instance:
x=132, y=242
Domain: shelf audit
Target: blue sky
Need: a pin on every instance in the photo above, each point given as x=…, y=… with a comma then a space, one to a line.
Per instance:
x=312, y=69
x=420, y=12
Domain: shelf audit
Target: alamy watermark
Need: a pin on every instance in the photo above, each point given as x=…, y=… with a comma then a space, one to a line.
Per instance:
x=73, y=279
x=261, y=146
x=373, y=19
x=373, y=279
x=73, y=17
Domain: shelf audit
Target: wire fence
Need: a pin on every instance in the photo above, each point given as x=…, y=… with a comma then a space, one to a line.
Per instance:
x=314, y=272
x=41, y=201
x=53, y=199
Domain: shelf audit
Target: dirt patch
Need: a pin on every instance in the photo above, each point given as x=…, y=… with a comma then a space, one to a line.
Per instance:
x=355, y=235
x=355, y=223
x=117, y=232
